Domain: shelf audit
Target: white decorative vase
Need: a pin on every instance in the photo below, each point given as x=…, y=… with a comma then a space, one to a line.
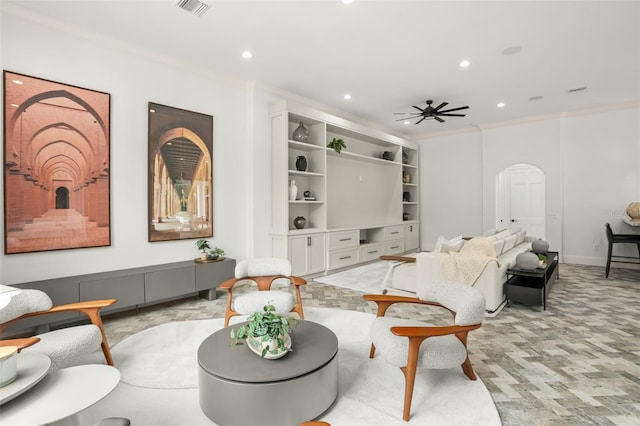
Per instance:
x=527, y=260
x=293, y=191
x=257, y=345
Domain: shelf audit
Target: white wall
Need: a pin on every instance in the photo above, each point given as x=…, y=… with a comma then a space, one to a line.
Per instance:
x=591, y=163
x=133, y=81
x=450, y=187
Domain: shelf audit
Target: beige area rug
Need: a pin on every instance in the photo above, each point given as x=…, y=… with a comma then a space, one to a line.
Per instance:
x=159, y=381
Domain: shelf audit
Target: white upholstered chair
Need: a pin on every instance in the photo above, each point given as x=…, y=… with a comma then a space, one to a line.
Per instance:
x=263, y=272
x=75, y=345
x=412, y=344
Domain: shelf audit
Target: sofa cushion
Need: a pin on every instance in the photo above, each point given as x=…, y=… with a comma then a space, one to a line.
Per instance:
x=497, y=246
x=503, y=234
x=520, y=236
x=454, y=244
x=509, y=243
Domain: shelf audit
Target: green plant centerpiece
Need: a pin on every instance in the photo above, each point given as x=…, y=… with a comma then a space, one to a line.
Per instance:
x=203, y=246
x=266, y=333
x=337, y=145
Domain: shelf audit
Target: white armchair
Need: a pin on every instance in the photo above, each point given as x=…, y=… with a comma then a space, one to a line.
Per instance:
x=412, y=344
x=263, y=272
x=65, y=347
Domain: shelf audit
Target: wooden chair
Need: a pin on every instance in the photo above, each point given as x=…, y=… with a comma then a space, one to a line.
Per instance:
x=620, y=239
x=67, y=346
x=263, y=272
x=399, y=340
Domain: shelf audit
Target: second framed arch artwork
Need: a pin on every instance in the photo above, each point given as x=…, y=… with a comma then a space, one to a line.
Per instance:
x=180, y=170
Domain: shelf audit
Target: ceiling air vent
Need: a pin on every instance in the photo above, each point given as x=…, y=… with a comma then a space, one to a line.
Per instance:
x=577, y=89
x=193, y=6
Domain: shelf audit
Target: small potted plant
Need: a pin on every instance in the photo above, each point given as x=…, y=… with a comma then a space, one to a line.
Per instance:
x=216, y=254
x=267, y=333
x=203, y=246
x=337, y=145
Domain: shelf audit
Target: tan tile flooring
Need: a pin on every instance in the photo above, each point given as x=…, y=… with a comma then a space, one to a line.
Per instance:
x=577, y=363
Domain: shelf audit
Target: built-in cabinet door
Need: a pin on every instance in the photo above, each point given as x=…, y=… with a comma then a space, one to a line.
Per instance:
x=307, y=254
x=411, y=237
x=298, y=254
x=317, y=253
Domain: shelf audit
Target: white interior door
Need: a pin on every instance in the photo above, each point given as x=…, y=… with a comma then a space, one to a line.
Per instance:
x=521, y=201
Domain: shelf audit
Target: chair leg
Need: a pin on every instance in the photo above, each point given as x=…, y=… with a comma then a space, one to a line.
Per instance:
x=372, y=351
x=610, y=249
x=468, y=370
x=410, y=376
x=96, y=319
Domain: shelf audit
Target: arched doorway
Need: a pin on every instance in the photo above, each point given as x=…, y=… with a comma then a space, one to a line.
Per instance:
x=62, y=198
x=520, y=199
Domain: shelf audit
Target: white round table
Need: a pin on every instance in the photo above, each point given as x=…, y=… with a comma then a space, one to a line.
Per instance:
x=60, y=395
x=31, y=369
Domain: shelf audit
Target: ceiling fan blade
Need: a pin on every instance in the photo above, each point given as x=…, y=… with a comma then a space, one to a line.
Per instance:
x=452, y=115
x=420, y=121
x=440, y=106
x=455, y=109
x=405, y=113
x=408, y=118
x=418, y=108
x=439, y=119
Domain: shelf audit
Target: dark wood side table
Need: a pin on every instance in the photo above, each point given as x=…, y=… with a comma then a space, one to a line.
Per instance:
x=531, y=287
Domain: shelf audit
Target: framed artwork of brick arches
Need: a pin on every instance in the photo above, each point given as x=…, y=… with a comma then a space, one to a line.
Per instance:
x=56, y=165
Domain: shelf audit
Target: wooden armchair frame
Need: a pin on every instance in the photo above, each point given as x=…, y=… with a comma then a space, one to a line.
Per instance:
x=264, y=284
x=417, y=335
x=90, y=308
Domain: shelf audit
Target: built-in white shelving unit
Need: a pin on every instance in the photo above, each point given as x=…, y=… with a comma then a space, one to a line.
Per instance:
x=362, y=202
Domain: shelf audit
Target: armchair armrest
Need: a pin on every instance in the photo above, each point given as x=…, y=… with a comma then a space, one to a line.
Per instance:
x=431, y=331
x=399, y=258
x=384, y=301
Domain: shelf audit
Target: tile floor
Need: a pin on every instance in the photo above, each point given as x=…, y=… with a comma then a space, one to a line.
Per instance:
x=577, y=363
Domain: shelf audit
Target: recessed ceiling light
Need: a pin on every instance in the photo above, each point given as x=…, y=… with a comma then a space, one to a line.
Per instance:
x=17, y=81
x=535, y=98
x=347, y=96
x=511, y=50
x=501, y=105
x=247, y=54
x=406, y=122
x=464, y=63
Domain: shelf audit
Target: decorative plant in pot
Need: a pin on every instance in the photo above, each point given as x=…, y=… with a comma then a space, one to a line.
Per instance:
x=267, y=333
x=203, y=246
x=216, y=254
x=337, y=145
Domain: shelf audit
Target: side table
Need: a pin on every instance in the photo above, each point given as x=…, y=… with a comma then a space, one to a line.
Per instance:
x=531, y=287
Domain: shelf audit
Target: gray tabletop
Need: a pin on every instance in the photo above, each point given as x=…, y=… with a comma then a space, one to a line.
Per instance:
x=313, y=346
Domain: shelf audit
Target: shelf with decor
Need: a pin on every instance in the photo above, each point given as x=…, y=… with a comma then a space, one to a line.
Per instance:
x=357, y=189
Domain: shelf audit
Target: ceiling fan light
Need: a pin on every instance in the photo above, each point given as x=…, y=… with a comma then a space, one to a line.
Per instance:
x=501, y=105
x=464, y=63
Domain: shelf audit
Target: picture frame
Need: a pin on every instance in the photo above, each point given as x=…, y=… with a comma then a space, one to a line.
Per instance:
x=57, y=165
x=180, y=170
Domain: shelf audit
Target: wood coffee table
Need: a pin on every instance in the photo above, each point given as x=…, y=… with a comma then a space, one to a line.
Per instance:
x=238, y=387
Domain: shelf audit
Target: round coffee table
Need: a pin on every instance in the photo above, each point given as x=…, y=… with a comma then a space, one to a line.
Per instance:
x=238, y=387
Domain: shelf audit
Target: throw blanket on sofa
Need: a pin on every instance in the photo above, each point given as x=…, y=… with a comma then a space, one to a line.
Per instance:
x=467, y=265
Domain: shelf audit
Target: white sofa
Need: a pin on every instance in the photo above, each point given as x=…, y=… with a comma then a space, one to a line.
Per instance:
x=507, y=245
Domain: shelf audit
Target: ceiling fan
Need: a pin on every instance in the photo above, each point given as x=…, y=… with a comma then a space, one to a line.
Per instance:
x=431, y=112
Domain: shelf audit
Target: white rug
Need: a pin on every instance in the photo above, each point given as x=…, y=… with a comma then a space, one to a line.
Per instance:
x=366, y=279
x=159, y=380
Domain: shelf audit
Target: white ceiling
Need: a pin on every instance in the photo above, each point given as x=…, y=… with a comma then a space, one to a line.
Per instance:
x=389, y=55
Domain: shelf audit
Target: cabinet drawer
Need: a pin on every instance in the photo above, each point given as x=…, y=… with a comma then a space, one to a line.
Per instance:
x=371, y=252
x=343, y=239
x=393, y=232
x=340, y=258
x=394, y=247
